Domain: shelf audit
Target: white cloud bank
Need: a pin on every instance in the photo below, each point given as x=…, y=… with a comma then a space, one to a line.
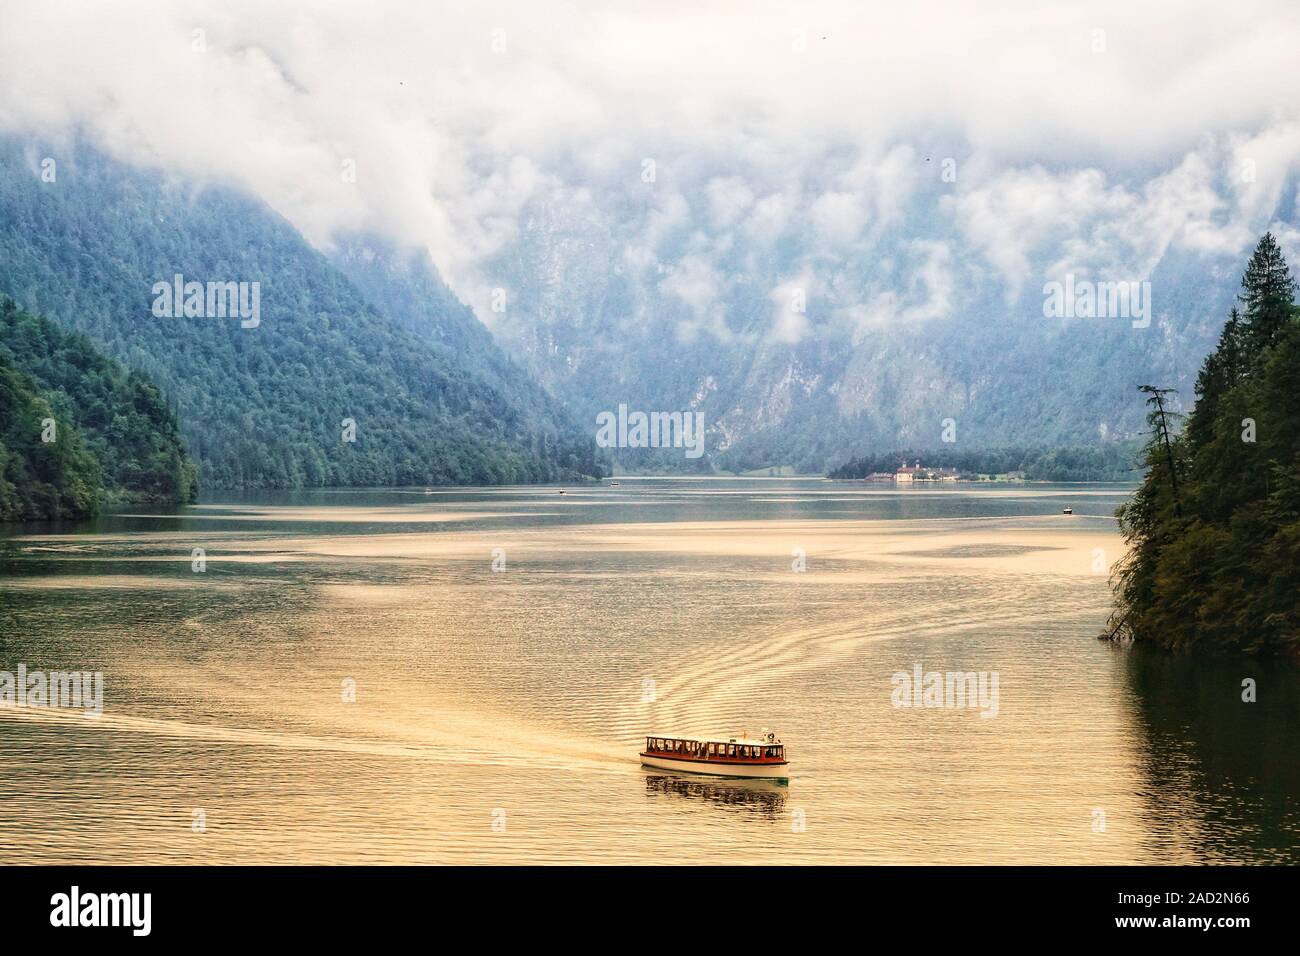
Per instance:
x=1101, y=132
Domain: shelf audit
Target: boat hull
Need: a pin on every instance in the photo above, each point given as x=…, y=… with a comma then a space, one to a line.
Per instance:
x=709, y=768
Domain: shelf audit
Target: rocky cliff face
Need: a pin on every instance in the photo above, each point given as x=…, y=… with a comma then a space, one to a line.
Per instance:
x=799, y=357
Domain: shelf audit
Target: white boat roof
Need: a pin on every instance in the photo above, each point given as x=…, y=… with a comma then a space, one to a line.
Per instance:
x=748, y=741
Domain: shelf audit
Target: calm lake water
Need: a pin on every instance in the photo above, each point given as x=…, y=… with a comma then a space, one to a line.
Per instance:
x=509, y=648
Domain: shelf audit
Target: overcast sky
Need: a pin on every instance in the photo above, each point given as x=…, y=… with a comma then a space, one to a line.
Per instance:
x=1110, y=129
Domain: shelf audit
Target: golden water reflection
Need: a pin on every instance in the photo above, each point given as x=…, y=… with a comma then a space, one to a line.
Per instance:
x=497, y=713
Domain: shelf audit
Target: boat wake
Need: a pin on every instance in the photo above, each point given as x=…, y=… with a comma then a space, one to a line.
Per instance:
x=510, y=750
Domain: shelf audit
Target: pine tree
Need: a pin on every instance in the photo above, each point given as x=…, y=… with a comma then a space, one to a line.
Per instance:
x=1221, y=371
x=1267, y=297
x=1214, y=530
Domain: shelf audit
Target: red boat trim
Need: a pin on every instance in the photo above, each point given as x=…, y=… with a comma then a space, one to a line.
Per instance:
x=731, y=761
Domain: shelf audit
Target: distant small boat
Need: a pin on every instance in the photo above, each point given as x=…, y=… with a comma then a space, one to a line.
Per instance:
x=730, y=757
x=613, y=484
x=1067, y=511
x=563, y=492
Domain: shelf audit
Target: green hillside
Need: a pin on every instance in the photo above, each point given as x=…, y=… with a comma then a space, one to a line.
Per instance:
x=267, y=406
x=41, y=479
x=121, y=416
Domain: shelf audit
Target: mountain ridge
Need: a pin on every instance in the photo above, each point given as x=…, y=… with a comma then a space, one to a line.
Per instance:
x=269, y=406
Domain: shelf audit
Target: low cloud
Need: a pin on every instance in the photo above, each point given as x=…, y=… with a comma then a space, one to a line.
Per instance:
x=800, y=141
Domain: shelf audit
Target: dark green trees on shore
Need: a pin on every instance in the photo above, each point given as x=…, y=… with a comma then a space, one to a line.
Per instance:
x=1114, y=461
x=41, y=479
x=77, y=428
x=1214, y=531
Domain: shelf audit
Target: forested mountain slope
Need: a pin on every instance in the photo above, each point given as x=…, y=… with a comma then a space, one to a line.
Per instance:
x=41, y=479
x=799, y=357
x=322, y=389
x=120, y=414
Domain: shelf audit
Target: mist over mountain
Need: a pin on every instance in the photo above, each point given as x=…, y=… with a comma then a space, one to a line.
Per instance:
x=874, y=349
x=779, y=223
x=319, y=388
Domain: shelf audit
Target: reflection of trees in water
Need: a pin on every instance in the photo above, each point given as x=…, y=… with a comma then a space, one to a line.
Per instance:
x=763, y=796
x=1224, y=774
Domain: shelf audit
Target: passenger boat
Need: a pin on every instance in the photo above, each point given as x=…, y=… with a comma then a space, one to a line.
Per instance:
x=741, y=756
x=1067, y=511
